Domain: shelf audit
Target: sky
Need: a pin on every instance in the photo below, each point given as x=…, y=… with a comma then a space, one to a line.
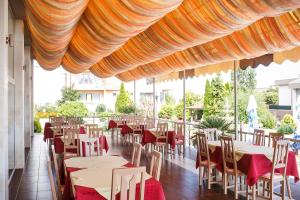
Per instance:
x=47, y=84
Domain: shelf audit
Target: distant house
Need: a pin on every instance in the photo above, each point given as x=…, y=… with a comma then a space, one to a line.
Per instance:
x=94, y=91
x=289, y=91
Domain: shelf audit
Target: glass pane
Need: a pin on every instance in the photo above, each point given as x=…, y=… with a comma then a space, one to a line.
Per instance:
x=11, y=128
x=96, y=97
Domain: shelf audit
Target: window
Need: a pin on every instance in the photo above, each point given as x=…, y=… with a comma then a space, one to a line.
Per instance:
x=96, y=97
x=88, y=97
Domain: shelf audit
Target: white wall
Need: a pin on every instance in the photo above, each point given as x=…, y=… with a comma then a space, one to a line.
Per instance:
x=285, y=95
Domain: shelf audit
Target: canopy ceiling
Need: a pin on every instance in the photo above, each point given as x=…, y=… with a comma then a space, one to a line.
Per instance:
x=132, y=39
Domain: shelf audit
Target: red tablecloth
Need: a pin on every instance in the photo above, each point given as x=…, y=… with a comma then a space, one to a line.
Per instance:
x=126, y=129
x=153, y=191
x=254, y=165
x=48, y=133
x=148, y=137
x=59, y=145
x=112, y=124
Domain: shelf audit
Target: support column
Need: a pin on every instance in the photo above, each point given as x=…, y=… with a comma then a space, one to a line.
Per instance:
x=27, y=100
x=154, y=101
x=19, y=93
x=31, y=98
x=134, y=93
x=184, y=113
x=3, y=100
x=236, y=65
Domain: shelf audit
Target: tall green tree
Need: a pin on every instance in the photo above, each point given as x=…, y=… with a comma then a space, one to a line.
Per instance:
x=271, y=96
x=190, y=100
x=68, y=94
x=246, y=79
x=123, y=100
x=214, y=98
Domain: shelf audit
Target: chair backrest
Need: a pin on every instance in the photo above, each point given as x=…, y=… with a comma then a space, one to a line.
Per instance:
x=259, y=137
x=71, y=139
x=212, y=134
x=274, y=137
x=203, y=151
x=155, y=165
x=88, y=127
x=162, y=130
x=179, y=130
x=136, y=154
x=228, y=152
x=96, y=132
x=150, y=123
x=280, y=156
x=124, y=180
x=136, y=125
x=57, y=174
x=53, y=188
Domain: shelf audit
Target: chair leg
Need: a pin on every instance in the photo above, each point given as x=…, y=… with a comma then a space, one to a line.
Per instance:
x=283, y=189
x=271, y=185
x=254, y=192
x=236, y=187
x=288, y=187
x=225, y=183
x=200, y=176
x=209, y=177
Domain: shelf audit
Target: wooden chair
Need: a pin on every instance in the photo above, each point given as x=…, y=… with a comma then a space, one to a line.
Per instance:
x=71, y=141
x=57, y=173
x=259, y=137
x=204, y=159
x=136, y=154
x=90, y=145
x=280, y=158
x=179, y=137
x=90, y=126
x=155, y=165
x=229, y=158
x=136, y=130
x=124, y=181
x=274, y=137
x=149, y=123
x=161, y=143
x=212, y=134
x=53, y=188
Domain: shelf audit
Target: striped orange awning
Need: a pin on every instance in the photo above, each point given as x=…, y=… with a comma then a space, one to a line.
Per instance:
x=133, y=39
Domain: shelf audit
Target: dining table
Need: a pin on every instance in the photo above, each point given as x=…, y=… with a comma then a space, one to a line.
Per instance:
x=59, y=143
x=90, y=178
x=149, y=137
x=253, y=160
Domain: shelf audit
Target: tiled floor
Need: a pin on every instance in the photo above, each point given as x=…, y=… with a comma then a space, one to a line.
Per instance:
x=178, y=177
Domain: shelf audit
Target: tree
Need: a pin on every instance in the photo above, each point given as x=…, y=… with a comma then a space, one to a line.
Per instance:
x=166, y=111
x=246, y=79
x=101, y=108
x=190, y=100
x=271, y=96
x=123, y=100
x=214, y=98
x=68, y=94
x=72, y=109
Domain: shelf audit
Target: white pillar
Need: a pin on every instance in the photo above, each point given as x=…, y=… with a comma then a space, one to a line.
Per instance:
x=236, y=65
x=31, y=98
x=19, y=93
x=184, y=112
x=27, y=101
x=154, y=101
x=3, y=100
x=134, y=94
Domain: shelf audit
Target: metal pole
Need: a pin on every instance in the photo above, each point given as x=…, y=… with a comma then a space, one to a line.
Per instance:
x=154, y=101
x=235, y=99
x=184, y=112
x=134, y=96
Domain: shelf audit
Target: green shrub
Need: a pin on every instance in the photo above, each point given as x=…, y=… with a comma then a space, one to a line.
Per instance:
x=123, y=100
x=127, y=109
x=286, y=129
x=267, y=120
x=72, y=109
x=37, y=126
x=166, y=111
x=289, y=120
x=214, y=122
x=101, y=108
x=42, y=115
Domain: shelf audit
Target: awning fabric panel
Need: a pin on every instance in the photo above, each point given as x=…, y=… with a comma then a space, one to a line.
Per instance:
x=268, y=35
x=195, y=22
x=108, y=24
x=52, y=25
